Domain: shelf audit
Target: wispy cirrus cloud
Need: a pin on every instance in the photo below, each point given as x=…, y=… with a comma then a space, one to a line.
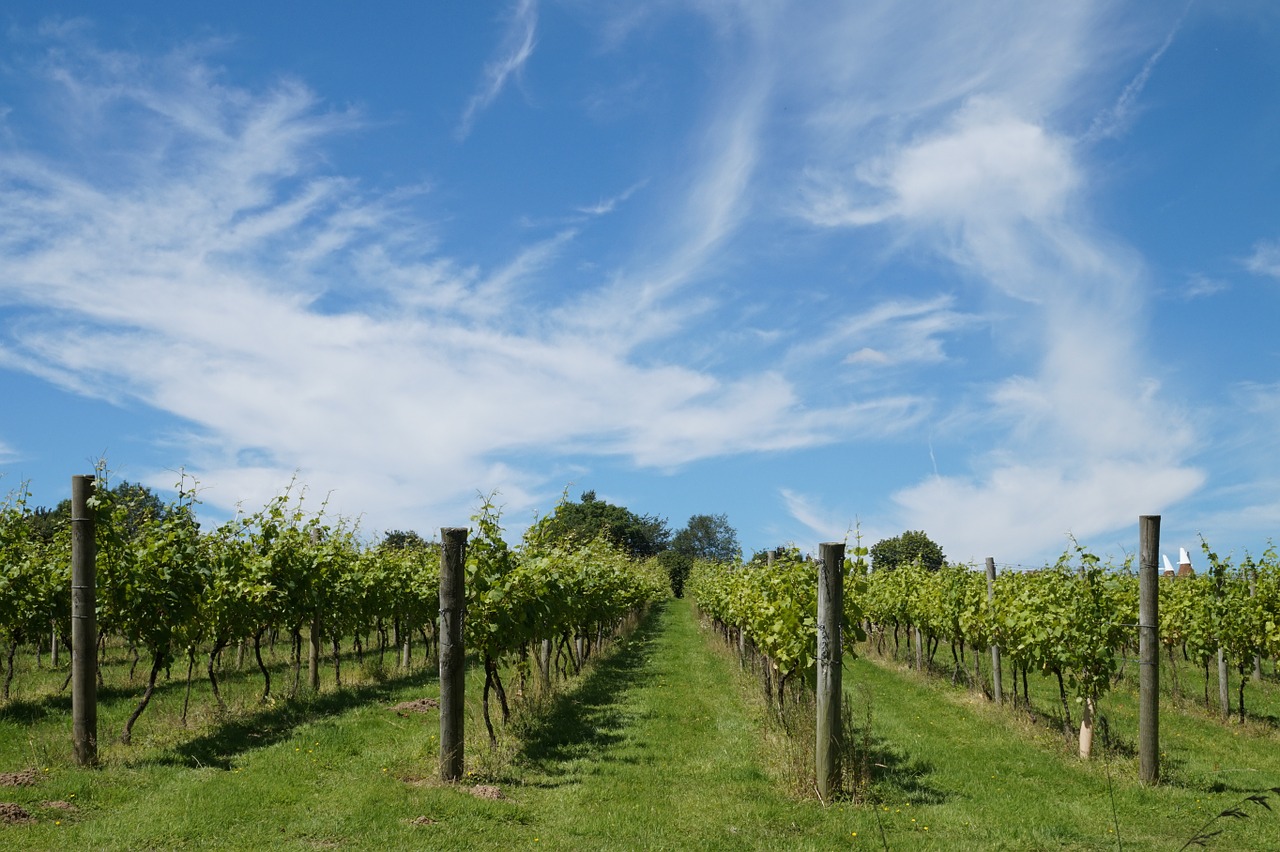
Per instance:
x=895, y=332
x=1117, y=118
x=213, y=274
x=516, y=49
x=972, y=169
x=607, y=205
x=1265, y=259
x=822, y=523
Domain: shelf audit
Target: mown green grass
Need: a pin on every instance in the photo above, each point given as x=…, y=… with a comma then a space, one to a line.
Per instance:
x=662, y=743
x=988, y=777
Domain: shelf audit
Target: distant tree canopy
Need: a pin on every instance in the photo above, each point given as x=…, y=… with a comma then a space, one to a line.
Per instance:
x=141, y=503
x=705, y=537
x=403, y=540
x=889, y=553
x=639, y=535
x=708, y=537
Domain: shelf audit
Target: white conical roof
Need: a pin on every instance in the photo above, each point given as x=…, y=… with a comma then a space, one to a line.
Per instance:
x=1183, y=557
x=1168, y=566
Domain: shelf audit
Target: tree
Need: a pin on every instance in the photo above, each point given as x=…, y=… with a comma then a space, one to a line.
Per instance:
x=707, y=537
x=140, y=505
x=640, y=535
x=403, y=540
x=889, y=553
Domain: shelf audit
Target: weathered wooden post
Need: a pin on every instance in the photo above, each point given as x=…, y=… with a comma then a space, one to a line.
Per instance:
x=1253, y=593
x=84, y=625
x=453, y=558
x=830, y=666
x=313, y=651
x=1148, y=649
x=997, y=690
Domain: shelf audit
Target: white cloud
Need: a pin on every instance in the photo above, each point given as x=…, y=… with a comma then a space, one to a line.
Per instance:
x=1199, y=286
x=517, y=48
x=1265, y=259
x=219, y=286
x=894, y=332
x=1115, y=120
x=824, y=524
x=608, y=205
x=971, y=168
x=1016, y=511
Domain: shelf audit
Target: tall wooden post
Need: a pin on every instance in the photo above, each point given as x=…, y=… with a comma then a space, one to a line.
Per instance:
x=997, y=690
x=84, y=625
x=1253, y=593
x=1148, y=649
x=830, y=666
x=453, y=558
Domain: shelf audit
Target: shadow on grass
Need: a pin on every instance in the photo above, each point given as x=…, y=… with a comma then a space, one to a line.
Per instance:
x=898, y=776
x=585, y=721
x=27, y=711
x=275, y=723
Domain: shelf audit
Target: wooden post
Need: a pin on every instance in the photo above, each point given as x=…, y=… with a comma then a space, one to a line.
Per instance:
x=1224, y=685
x=1253, y=593
x=997, y=690
x=1148, y=649
x=830, y=666
x=313, y=655
x=453, y=558
x=84, y=625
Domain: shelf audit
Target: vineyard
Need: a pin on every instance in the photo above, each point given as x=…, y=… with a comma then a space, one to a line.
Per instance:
x=1074, y=621
x=584, y=668
x=174, y=593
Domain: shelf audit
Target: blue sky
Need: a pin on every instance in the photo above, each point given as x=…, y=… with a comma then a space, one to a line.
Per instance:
x=1002, y=271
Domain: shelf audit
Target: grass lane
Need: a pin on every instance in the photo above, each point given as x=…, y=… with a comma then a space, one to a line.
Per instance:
x=658, y=750
x=661, y=744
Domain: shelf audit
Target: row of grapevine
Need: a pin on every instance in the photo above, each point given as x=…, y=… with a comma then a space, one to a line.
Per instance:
x=1074, y=621
x=550, y=594
x=169, y=588
x=775, y=605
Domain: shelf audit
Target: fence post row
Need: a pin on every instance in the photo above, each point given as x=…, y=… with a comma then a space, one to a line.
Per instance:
x=84, y=625
x=1148, y=648
x=453, y=558
x=830, y=663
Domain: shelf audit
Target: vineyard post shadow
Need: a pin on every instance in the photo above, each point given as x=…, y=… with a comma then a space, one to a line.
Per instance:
x=453, y=558
x=1148, y=649
x=830, y=663
x=84, y=627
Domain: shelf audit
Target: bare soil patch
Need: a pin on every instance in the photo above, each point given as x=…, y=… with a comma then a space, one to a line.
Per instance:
x=486, y=791
x=25, y=778
x=11, y=814
x=421, y=705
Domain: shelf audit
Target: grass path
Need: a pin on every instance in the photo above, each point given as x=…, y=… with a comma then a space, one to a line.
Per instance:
x=660, y=745
x=658, y=751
